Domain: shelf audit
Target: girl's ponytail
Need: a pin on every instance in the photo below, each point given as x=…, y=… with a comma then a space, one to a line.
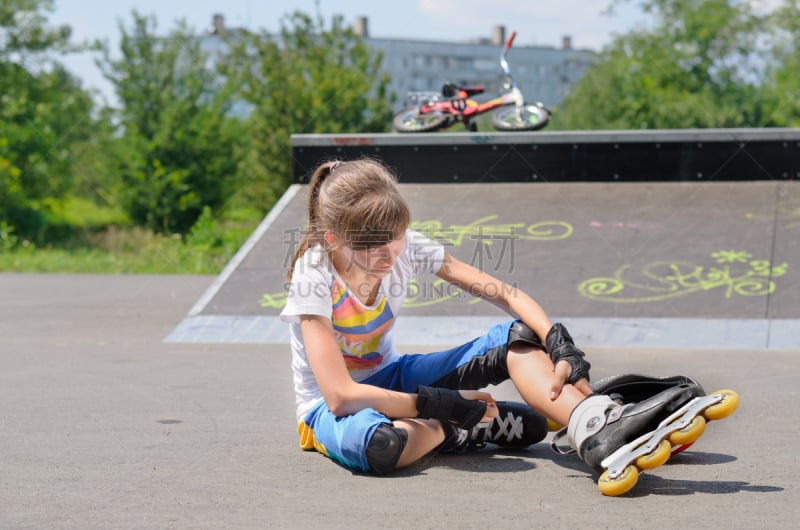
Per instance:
x=314, y=233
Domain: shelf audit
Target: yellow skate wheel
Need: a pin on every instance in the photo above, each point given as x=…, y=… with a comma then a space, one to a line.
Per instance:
x=617, y=486
x=689, y=434
x=553, y=426
x=656, y=457
x=724, y=408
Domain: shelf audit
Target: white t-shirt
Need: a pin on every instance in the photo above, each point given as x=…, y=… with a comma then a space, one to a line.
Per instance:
x=362, y=332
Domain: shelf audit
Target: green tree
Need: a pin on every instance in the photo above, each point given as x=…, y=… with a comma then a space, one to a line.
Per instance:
x=782, y=85
x=699, y=64
x=310, y=78
x=44, y=112
x=175, y=154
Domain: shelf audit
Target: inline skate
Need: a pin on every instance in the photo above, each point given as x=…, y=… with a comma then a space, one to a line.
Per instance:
x=629, y=428
x=516, y=426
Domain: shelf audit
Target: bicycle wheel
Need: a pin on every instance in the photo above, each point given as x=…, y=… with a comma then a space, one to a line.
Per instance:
x=528, y=117
x=410, y=121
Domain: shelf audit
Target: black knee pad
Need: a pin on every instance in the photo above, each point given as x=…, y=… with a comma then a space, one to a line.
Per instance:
x=520, y=332
x=383, y=450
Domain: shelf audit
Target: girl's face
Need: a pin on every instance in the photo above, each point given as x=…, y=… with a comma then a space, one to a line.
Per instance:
x=376, y=261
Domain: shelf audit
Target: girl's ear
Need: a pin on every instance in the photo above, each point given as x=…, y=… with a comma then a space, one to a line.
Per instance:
x=330, y=239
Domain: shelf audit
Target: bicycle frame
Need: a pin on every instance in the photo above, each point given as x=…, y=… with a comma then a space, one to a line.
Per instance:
x=434, y=111
x=466, y=108
x=463, y=108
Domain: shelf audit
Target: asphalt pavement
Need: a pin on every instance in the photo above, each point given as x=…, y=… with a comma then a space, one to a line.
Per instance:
x=105, y=425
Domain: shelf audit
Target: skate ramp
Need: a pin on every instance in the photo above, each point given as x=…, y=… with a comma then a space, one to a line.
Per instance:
x=669, y=264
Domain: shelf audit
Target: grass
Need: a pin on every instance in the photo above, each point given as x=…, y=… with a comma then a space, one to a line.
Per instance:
x=100, y=241
x=130, y=251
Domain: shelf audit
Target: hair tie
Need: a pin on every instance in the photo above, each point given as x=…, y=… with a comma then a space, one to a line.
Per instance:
x=335, y=165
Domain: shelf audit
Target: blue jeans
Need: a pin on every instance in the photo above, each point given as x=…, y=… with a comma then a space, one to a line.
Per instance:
x=471, y=366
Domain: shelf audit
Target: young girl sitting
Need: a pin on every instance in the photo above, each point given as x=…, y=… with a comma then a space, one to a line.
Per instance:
x=371, y=409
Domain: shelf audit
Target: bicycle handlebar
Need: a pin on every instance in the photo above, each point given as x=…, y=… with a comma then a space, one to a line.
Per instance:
x=510, y=40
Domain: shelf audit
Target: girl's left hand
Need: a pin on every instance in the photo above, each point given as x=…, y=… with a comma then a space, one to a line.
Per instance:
x=491, y=404
x=563, y=371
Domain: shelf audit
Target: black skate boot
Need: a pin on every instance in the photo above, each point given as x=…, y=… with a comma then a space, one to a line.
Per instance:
x=632, y=388
x=622, y=439
x=516, y=426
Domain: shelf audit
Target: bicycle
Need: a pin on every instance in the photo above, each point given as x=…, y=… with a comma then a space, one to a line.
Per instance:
x=433, y=111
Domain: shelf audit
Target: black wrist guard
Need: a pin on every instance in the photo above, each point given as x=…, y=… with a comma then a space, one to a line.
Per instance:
x=561, y=347
x=448, y=405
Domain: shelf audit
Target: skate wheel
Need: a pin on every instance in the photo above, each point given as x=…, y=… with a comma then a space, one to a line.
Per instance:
x=689, y=434
x=656, y=457
x=724, y=408
x=617, y=486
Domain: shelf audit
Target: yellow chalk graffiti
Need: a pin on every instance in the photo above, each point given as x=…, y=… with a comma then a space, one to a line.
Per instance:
x=274, y=300
x=787, y=213
x=455, y=235
x=737, y=273
x=480, y=231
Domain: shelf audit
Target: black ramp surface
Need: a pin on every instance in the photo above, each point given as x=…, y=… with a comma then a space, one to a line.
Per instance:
x=262, y=271
x=784, y=302
x=690, y=155
x=602, y=250
x=718, y=256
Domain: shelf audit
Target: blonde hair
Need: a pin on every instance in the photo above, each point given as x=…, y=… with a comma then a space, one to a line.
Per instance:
x=358, y=202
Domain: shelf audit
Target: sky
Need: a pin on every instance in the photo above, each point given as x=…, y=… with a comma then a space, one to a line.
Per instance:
x=536, y=22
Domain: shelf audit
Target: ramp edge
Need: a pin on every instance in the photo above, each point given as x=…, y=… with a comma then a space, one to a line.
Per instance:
x=242, y=253
x=676, y=333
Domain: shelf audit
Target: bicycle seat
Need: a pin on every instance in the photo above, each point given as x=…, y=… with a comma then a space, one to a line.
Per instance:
x=450, y=90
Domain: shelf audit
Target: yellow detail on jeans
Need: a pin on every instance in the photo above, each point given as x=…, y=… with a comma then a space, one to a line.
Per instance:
x=307, y=439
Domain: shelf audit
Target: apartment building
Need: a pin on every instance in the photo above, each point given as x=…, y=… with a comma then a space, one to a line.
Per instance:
x=543, y=73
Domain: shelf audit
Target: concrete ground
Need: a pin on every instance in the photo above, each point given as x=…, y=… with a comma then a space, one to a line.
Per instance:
x=103, y=425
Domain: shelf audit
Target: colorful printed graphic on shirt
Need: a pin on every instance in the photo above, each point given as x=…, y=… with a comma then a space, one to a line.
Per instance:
x=359, y=330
